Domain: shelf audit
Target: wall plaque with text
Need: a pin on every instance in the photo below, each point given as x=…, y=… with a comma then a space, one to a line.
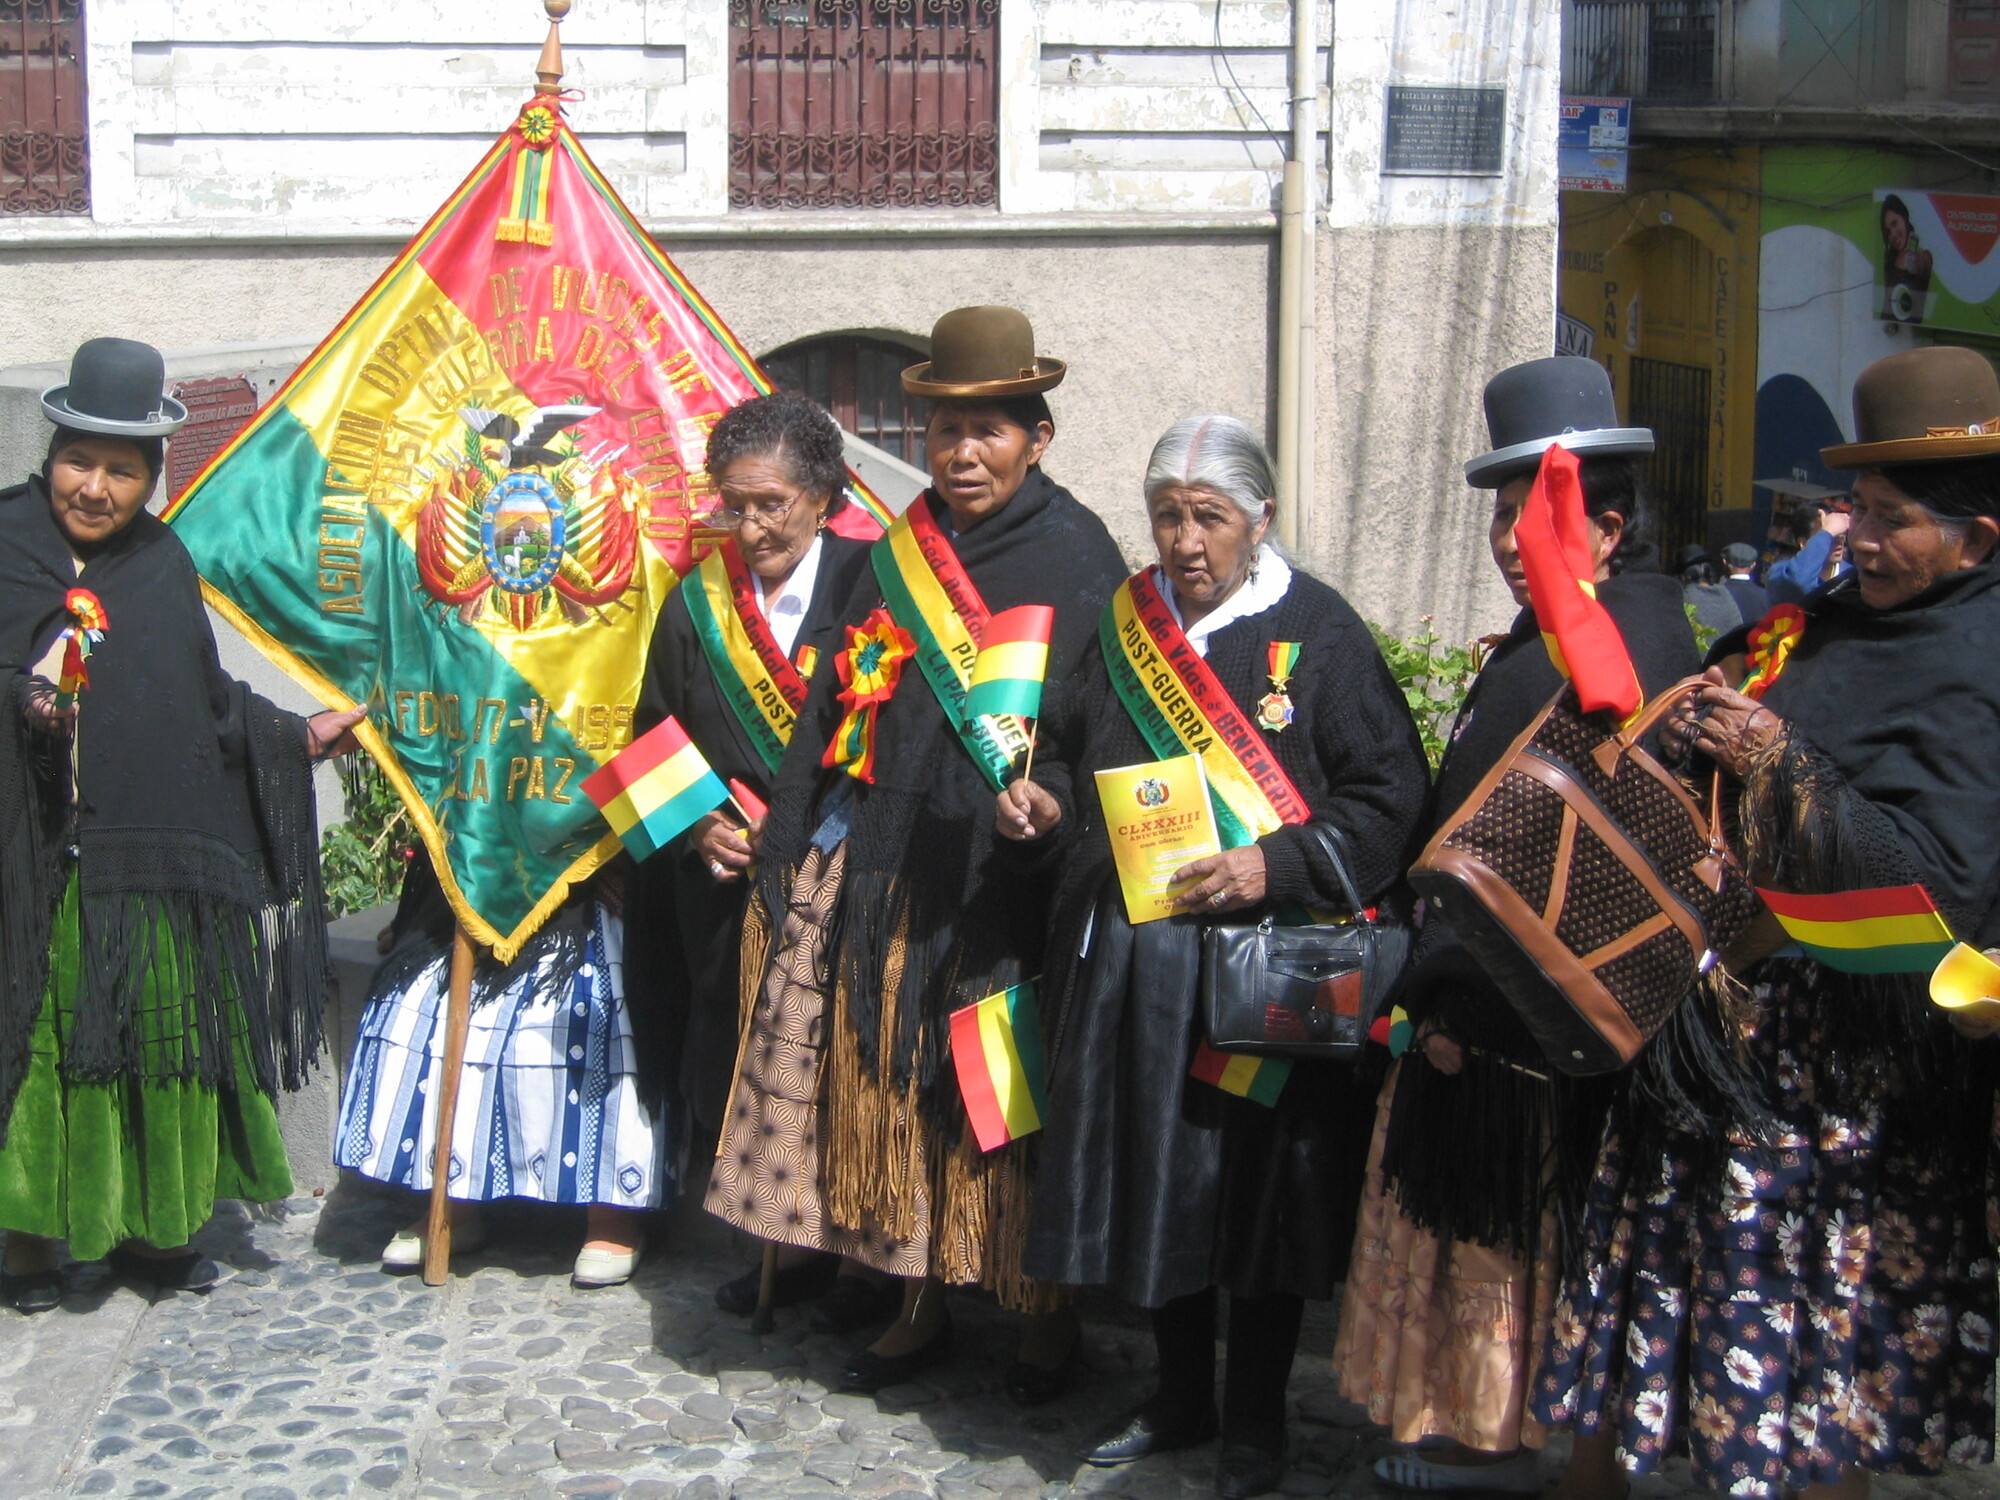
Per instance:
x=1445, y=132
x=217, y=410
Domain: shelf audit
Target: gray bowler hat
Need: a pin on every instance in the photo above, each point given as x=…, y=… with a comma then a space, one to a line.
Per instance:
x=117, y=387
x=1531, y=407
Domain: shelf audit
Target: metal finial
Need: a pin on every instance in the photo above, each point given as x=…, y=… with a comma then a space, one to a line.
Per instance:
x=549, y=66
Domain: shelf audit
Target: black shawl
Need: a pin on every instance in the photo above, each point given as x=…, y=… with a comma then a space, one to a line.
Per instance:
x=1467, y=1155
x=927, y=875
x=192, y=831
x=682, y=942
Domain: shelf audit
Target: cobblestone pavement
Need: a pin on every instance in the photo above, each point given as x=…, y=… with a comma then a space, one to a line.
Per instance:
x=311, y=1374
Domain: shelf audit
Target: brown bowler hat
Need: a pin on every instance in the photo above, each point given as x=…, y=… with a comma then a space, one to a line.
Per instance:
x=983, y=351
x=1922, y=406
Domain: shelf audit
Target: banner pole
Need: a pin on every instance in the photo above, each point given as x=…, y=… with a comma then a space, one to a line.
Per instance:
x=457, y=1021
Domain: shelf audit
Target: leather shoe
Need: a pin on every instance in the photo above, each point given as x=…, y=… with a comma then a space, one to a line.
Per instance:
x=190, y=1272
x=31, y=1291
x=856, y=1302
x=1242, y=1471
x=1153, y=1428
x=791, y=1284
x=868, y=1372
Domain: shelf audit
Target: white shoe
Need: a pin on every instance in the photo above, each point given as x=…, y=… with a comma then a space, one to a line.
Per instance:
x=1519, y=1475
x=406, y=1251
x=596, y=1267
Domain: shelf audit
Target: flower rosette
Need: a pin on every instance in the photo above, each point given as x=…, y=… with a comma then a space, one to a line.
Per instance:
x=88, y=621
x=1770, y=646
x=869, y=667
x=538, y=123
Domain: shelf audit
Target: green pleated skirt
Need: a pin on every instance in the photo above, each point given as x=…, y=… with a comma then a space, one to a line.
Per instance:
x=100, y=1163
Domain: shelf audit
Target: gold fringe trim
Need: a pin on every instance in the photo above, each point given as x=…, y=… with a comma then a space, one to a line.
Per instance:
x=883, y=1166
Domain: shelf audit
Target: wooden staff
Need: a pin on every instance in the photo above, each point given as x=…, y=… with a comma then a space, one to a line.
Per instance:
x=457, y=1021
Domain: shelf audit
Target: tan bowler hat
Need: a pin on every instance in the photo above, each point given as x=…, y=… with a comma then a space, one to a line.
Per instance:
x=1922, y=406
x=983, y=351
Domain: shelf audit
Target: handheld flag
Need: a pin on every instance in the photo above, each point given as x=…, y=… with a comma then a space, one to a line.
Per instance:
x=655, y=789
x=752, y=805
x=1013, y=659
x=996, y=1048
x=465, y=509
x=1553, y=537
x=1259, y=1079
x=1891, y=930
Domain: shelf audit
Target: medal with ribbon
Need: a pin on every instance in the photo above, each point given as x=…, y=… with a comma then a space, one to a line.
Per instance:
x=869, y=667
x=1274, y=709
x=85, y=632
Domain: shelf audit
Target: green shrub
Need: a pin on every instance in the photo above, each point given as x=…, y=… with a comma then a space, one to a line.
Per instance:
x=1434, y=676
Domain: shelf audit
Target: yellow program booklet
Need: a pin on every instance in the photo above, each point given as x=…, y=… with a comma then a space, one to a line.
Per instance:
x=1158, y=818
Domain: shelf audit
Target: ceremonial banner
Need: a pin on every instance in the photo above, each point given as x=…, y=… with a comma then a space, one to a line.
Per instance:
x=465, y=509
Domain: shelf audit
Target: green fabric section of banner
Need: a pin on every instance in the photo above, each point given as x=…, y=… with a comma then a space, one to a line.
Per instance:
x=1891, y=958
x=978, y=740
x=735, y=692
x=494, y=764
x=1021, y=696
x=1024, y=1019
x=1159, y=735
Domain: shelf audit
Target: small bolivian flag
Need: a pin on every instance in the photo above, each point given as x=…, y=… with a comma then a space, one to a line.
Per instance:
x=1258, y=1079
x=653, y=790
x=996, y=1046
x=1013, y=660
x=1890, y=930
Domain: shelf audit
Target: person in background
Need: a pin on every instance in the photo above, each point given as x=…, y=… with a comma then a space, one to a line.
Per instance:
x=1714, y=606
x=1740, y=558
x=1481, y=1149
x=732, y=655
x=1166, y=1188
x=1821, y=558
x=163, y=959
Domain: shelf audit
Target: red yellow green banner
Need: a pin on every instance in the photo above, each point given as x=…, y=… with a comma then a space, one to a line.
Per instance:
x=465, y=508
x=655, y=789
x=1889, y=930
x=996, y=1049
x=1259, y=1079
x=1013, y=659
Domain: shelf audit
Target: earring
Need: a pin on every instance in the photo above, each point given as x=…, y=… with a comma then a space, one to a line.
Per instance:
x=1253, y=564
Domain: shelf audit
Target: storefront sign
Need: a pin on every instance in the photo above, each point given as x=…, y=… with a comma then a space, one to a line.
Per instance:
x=1592, y=144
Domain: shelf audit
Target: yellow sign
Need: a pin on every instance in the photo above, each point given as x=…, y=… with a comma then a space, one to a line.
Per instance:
x=1158, y=818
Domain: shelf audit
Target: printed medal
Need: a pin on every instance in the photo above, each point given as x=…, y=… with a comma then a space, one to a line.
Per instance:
x=1274, y=709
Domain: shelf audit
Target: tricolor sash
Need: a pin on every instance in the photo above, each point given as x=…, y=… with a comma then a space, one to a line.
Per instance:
x=931, y=596
x=1182, y=709
x=763, y=689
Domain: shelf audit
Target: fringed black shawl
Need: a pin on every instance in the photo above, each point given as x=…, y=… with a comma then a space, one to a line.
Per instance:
x=191, y=834
x=925, y=869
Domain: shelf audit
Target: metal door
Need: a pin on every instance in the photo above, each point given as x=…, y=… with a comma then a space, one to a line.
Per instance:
x=863, y=103
x=44, y=152
x=1673, y=400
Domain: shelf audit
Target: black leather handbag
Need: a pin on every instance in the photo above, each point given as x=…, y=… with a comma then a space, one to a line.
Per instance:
x=1301, y=991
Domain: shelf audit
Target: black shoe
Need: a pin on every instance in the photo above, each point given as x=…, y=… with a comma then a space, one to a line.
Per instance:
x=192, y=1272
x=856, y=1302
x=1243, y=1470
x=792, y=1284
x=868, y=1372
x=31, y=1291
x=1031, y=1384
x=1153, y=1428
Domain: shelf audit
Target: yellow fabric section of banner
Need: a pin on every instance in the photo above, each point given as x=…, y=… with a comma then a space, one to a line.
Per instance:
x=712, y=577
x=1869, y=932
x=1227, y=777
x=947, y=628
x=1003, y=1065
x=1010, y=660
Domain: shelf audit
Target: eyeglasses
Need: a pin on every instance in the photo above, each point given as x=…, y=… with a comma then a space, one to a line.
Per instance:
x=769, y=516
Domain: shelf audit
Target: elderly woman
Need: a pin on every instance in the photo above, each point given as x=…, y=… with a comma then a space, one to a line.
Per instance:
x=885, y=902
x=1477, y=1140
x=732, y=655
x=163, y=954
x=1152, y=1182
x=1806, y=1296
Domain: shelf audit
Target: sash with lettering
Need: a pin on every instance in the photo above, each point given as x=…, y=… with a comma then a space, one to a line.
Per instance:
x=1182, y=709
x=930, y=595
x=762, y=688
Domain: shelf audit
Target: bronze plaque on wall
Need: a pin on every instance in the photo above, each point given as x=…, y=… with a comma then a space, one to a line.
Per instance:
x=218, y=409
x=1445, y=132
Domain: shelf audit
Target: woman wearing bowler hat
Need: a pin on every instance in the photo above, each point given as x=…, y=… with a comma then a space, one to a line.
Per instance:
x=885, y=901
x=162, y=932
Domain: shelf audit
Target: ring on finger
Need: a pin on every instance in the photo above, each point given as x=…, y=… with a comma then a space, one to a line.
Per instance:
x=1218, y=898
x=717, y=866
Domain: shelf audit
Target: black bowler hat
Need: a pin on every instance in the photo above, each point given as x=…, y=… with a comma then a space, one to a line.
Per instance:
x=1564, y=400
x=117, y=387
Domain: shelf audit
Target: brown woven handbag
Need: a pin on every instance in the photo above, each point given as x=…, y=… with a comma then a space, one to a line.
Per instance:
x=1592, y=884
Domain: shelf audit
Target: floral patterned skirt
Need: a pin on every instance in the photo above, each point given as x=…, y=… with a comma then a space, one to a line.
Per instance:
x=1787, y=1311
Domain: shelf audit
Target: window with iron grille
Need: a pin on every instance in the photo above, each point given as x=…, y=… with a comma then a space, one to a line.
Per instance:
x=44, y=153
x=859, y=380
x=863, y=103
x=1660, y=50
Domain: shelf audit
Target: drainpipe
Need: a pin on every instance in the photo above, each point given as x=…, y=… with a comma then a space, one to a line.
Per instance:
x=1297, y=343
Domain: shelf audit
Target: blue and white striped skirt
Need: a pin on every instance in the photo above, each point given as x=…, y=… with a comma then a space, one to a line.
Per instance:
x=549, y=1106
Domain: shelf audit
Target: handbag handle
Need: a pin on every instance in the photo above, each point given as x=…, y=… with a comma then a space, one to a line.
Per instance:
x=1331, y=841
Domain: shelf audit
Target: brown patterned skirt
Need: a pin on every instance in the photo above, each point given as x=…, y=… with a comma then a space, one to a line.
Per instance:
x=818, y=1152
